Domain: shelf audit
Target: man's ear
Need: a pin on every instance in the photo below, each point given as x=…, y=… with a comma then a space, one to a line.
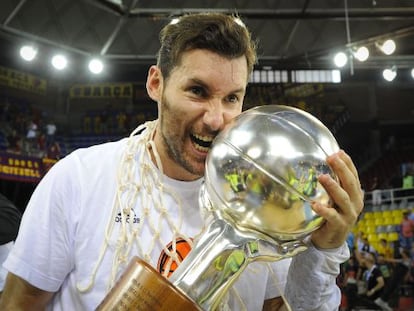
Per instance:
x=154, y=83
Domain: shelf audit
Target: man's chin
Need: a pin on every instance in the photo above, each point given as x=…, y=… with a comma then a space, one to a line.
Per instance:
x=198, y=173
x=197, y=170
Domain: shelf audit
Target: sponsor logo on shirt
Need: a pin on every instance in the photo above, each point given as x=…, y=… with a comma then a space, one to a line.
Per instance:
x=130, y=218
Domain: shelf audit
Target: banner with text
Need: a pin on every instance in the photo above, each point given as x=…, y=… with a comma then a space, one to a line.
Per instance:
x=23, y=168
x=102, y=90
x=23, y=81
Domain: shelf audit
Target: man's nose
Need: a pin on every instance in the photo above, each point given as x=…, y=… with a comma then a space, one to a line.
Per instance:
x=214, y=115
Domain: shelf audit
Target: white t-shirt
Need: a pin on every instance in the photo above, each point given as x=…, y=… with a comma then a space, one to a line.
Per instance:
x=63, y=231
x=50, y=129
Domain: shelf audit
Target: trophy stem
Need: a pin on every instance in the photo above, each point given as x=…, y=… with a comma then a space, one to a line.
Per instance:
x=214, y=264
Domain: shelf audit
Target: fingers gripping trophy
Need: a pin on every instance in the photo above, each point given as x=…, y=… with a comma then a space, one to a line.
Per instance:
x=260, y=180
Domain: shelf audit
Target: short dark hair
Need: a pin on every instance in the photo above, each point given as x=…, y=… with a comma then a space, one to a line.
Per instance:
x=223, y=34
x=374, y=256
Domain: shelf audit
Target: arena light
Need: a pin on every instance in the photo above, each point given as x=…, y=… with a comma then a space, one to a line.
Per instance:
x=28, y=53
x=361, y=54
x=412, y=73
x=316, y=76
x=95, y=66
x=389, y=74
x=387, y=47
x=340, y=59
x=175, y=20
x=59, y=62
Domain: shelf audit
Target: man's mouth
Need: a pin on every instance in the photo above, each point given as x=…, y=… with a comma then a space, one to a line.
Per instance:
x=201, y=143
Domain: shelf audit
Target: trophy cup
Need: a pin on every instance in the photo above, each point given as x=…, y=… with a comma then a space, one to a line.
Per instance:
x=260, y=180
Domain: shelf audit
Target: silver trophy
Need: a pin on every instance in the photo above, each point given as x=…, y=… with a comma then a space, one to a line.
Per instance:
x=261, y=177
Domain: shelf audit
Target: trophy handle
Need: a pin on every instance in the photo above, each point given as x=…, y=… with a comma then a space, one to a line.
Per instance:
x=142, y=288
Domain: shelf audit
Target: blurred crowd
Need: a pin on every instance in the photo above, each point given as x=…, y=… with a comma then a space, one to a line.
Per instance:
x=28, y=131
x=380, y=276
x=112, y=121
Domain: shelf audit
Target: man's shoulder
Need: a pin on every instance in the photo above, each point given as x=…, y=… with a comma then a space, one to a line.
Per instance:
x=101, y=149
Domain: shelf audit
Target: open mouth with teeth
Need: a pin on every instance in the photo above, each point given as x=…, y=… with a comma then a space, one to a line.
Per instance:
x=201, y=143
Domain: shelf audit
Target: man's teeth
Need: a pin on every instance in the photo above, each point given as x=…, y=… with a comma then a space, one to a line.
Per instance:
x=202, y=143
x=200, y=148
x=206, y=139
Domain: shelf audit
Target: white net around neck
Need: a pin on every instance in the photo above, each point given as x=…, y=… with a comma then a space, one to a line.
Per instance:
x=131, y=193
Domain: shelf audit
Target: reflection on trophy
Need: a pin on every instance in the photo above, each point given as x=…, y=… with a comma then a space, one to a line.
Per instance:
x=260, y=180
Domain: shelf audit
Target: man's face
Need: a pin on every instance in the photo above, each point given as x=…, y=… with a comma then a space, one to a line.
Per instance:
x=369, y=259
x=202, y=94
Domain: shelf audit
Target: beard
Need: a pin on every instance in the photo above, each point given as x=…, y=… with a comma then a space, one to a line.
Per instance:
x=174, y=139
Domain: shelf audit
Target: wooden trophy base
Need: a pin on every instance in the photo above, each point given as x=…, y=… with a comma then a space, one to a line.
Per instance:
x=141, y=287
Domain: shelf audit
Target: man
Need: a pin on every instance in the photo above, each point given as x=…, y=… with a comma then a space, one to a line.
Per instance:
x=407, y=231
x=374, y=281
x=402, y=264
x=350, y=286
x=98, y=207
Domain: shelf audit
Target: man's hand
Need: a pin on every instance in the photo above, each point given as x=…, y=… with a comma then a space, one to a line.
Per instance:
x=348, y=199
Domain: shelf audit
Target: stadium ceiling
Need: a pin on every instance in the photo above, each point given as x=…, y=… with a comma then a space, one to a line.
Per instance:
x=291, y=34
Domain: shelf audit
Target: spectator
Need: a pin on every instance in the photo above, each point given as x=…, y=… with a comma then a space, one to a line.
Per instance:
x=350, y=240
x=350, y=287
x=408, y=180
x=373, y=278
x=384, y=266
x=385, y=248
x=87, y=124
x=402, y=262
x=14, y=142
x=41, y=144
x=407, y=231
x=121, y=121
x=53, y=152
x=364, y=245
x=51, y=129
x=31, y=142
x=104, y=122
x=97, y=124
x=376, y=192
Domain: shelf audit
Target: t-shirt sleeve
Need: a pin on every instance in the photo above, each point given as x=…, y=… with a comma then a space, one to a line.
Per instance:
x=43, y=252
x=311, y=282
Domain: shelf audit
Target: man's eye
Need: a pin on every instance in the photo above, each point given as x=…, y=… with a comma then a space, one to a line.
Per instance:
x=233, y=99
x=197, y=90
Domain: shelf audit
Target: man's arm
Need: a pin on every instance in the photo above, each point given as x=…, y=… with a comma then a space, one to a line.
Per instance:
x=311, y=282
x=19, y=295
x=380, y=284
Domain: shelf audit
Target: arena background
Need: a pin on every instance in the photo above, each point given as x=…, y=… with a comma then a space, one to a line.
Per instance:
x=372, y=119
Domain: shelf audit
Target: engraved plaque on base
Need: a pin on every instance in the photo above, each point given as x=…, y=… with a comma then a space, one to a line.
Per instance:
x=142, y=288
